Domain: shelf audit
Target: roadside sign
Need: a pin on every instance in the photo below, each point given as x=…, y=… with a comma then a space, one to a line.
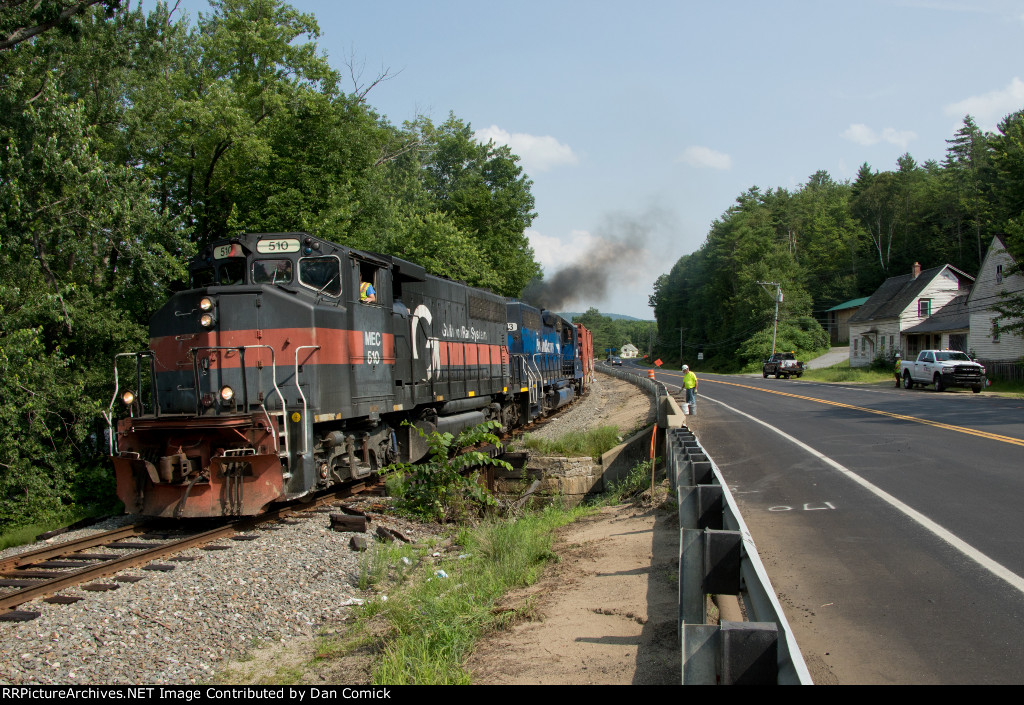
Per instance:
x=658, y=363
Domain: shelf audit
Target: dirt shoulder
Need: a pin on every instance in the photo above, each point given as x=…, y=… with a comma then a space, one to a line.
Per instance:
x=605, y=613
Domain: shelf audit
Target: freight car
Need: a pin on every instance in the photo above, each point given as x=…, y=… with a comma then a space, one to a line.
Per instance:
x=273, y=376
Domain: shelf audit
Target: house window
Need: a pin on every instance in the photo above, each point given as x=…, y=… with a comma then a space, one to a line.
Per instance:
x=890, y=341
x=995, y=332
x=924, y=307
x=999, y=274
x=856, y=342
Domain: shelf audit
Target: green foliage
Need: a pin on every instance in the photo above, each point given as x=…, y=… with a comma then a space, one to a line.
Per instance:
x=614, y=333
x=432, y=624
x=385, y=564
x=446, y=487
x=578, y=444
x=130, y=138
x=849, y=375
x=638, y=480
x=802, y=335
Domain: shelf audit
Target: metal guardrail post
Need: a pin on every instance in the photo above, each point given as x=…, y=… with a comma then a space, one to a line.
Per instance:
x=749, y=653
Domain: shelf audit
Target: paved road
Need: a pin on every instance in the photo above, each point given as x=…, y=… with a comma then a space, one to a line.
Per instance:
x=889, y=522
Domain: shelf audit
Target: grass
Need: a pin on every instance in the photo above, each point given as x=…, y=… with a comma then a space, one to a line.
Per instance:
x=842, y=372
x=592, y=444
x=638, y=480
x=1010, y=389
x=424, y=632
x=19, y=536
x=386, y=563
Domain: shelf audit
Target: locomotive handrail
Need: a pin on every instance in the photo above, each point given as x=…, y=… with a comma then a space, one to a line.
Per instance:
x=245, y=387
x=305, y=415
x=109, y=413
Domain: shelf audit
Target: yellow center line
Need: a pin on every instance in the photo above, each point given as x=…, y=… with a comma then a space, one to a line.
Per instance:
x=902, y=417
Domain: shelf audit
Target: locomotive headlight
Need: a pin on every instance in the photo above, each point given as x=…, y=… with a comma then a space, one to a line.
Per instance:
x=128, y=397
x=207, y=320
x=206, y=303
x=227, y=394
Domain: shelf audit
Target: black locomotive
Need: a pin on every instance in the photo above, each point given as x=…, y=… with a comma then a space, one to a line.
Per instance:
x=292, y=362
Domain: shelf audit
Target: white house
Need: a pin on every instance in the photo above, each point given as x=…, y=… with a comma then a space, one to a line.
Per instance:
x=895, y=316
x=629, y=350
x=986, y=341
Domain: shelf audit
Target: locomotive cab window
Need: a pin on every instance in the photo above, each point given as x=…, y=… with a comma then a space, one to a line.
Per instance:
x=272, y=271
x=225, y=274
x=202, y=278
x=322, y=274
x=369, y=282
x=232, y=272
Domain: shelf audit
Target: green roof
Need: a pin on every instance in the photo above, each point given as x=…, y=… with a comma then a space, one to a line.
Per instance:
x=852, y=303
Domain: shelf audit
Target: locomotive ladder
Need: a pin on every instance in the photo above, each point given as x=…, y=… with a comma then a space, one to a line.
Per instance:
x=533, y=373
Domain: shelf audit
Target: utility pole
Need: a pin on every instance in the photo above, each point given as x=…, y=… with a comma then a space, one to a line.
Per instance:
x=778, y=299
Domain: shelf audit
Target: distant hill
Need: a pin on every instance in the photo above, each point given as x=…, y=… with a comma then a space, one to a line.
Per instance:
x=614, y=316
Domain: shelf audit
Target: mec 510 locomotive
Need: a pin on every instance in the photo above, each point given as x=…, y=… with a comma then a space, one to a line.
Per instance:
x=270, y=379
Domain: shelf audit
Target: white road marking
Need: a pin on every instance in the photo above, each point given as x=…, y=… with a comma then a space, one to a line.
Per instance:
x=997, y=569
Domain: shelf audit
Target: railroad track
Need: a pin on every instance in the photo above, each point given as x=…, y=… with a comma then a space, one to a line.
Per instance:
x=46, y=572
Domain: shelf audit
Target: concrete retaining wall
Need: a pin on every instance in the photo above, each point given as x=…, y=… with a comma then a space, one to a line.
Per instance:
x=574, y=479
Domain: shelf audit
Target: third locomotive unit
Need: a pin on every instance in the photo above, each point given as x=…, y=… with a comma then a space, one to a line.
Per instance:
x=275, y=374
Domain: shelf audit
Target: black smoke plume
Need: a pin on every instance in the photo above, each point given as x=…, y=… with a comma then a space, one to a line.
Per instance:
x=619, y=247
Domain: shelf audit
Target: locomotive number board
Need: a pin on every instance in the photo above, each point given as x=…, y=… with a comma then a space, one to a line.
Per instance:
x=269, y=247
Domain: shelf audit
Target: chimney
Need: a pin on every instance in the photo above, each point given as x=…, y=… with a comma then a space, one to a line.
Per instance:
x=916, y=271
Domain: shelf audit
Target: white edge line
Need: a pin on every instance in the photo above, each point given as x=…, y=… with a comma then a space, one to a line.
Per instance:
x=997, y=569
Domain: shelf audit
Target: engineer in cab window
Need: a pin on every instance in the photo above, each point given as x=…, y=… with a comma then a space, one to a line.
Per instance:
x=367, y=294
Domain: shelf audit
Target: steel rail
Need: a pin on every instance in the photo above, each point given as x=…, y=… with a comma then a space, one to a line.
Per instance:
x=60, y=549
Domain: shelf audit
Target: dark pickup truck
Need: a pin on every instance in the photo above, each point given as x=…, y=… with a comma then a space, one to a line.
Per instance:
x=782, y=365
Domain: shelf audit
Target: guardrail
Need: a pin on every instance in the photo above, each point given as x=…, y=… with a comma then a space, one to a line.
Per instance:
x=717, y=556
x=634, y=375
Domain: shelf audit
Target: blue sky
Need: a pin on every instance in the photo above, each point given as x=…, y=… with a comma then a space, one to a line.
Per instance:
x=640, y=123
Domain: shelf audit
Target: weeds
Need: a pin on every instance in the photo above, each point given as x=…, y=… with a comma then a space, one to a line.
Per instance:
x=427, y=629
x=385, y=564
x=442, y=488
x=638, y=480
x=593, y=444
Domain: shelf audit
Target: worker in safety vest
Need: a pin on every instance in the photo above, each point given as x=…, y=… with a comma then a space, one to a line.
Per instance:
x=366, y=293
x=690, y=387
x=896, y=370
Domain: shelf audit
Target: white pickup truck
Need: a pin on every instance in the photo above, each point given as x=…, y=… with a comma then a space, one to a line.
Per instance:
x=944, y=369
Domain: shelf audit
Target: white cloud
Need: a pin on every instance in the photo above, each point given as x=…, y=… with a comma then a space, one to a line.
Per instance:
x=551, y=252
x=537, y=153
x=866, y=136
x=989, y=108
x=704, y=157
